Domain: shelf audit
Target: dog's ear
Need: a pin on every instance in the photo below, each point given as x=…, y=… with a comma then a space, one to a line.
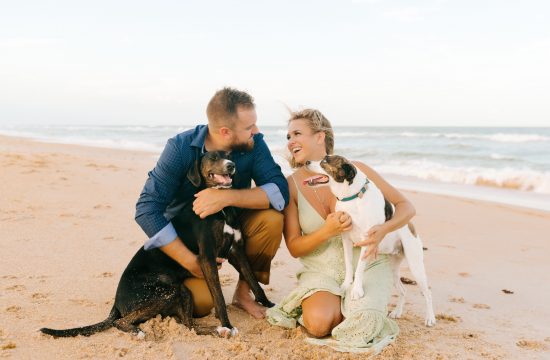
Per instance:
x=350, y=172
x=194, y=175
x=388, y=209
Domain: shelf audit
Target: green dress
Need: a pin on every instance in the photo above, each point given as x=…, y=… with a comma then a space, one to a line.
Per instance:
x=366, y=327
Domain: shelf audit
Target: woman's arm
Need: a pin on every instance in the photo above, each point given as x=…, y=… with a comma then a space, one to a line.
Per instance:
x=298, y=244
x=404, y=210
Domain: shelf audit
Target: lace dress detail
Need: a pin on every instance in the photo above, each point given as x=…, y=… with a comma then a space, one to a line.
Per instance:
x=366, y=327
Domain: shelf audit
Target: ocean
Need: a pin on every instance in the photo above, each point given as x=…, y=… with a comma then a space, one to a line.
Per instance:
x=508, y=165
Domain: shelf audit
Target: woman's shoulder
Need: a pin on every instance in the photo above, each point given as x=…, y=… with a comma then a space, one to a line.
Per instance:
x=363, y=167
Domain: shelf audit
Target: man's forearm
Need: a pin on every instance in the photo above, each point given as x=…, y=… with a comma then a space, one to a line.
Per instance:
x=180, y=253
x=255, y=198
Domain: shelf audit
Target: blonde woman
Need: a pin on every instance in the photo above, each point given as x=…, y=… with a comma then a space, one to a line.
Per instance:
x=312, y=233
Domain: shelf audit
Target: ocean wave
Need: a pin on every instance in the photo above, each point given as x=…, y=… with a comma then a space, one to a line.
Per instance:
x=497, y=137
x=510, y=178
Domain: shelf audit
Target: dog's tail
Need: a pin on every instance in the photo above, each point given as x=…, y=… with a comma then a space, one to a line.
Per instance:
x=86, y=330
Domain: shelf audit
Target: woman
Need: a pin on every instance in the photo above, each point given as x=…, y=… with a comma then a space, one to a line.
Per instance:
x=312, y=233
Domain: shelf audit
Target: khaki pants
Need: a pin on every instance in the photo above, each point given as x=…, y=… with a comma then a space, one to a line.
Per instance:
x=262, y=230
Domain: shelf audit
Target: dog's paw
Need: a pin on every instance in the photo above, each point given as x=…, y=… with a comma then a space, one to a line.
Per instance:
x=227, y=332
x=357, y=292
x=396, y=313
x=345, y=285
x=430, y=320
x=140, y=335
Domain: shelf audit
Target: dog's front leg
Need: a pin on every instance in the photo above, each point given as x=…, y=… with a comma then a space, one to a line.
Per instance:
x=357, y=291
x=347, y=244
x=210, y=271
x=207, y=261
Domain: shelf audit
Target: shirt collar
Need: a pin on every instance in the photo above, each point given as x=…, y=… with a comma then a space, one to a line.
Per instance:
x=198, y=141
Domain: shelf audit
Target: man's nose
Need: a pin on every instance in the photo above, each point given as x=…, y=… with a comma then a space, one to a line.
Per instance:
x=255, y=130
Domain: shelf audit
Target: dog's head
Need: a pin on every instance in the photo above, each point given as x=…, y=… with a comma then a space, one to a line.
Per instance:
x=337, y=167
x=213, y=170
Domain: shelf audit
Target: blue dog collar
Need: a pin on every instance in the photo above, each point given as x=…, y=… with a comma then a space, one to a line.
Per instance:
x=361, y=192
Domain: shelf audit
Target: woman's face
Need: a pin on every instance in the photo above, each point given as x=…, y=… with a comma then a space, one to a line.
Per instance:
x=303, y=143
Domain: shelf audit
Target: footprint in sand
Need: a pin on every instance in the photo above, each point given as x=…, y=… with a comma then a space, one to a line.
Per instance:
x=102, y=206
x=39, y=297
x=448, y=318
x=106, y=275
x=481, y=306
x=13, y=309
x=9, y=345
x=457, y=300
x=16, y=288
x=531, y=345
x=9, y=277
x=464, y=274
x=470, y=336
x=109, y=238
x=82, y=302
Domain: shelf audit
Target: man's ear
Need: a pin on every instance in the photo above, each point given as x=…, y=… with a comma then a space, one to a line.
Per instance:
x=194, y=175
x=350, y=172
x=225, y=132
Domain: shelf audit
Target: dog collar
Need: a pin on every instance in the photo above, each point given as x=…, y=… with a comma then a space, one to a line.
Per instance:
x=360, y=193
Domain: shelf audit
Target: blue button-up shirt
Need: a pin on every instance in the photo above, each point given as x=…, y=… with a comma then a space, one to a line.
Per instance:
x=167, y=189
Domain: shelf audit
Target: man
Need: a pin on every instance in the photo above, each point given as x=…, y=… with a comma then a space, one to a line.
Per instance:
x=231, y=127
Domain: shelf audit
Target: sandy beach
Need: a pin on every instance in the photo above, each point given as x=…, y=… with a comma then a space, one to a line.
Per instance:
x=68, y=231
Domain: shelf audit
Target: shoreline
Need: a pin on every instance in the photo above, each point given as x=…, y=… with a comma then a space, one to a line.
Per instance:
x=68, y=226
x=497, y=195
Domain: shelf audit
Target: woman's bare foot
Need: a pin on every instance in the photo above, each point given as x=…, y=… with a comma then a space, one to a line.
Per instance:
x=244, y=300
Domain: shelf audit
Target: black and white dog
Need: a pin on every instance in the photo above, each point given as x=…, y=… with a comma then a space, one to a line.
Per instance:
x=364, y=202
x=152, y=283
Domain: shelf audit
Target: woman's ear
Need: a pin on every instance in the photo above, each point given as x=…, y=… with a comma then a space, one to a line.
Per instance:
x=320, y=137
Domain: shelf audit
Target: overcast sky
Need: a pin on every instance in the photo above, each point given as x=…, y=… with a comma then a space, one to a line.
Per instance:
x=363, y=62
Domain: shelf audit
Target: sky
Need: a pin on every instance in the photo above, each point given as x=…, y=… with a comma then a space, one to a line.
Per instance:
x=361, y=62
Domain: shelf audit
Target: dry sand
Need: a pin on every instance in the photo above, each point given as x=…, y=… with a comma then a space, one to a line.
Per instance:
x=67, y=232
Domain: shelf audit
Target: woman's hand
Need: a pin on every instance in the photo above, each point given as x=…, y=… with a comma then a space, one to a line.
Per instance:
x=372, y=238
x=336, y=223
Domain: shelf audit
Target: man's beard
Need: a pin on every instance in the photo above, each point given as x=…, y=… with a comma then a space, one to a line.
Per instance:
x=243, y=147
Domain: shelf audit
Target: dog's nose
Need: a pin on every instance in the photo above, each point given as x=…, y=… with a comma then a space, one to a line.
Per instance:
x=231, y=168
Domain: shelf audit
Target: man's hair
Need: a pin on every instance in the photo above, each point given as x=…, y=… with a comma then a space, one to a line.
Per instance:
x=222, y=108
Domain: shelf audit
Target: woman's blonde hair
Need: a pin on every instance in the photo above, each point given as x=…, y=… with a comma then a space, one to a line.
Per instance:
x=317, y=122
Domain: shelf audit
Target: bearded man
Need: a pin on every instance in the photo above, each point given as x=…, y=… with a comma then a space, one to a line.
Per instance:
x=232, y=128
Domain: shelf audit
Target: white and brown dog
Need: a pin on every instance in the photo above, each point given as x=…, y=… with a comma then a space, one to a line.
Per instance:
x=364, y=202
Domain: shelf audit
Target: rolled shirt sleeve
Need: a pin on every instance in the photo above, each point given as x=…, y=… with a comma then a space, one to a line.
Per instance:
x=275, y=196
x=163, y=237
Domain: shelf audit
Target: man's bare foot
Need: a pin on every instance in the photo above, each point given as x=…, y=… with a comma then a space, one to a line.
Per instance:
x=244, y=300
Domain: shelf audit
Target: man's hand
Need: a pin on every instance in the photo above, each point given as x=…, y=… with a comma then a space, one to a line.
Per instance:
x=210, y=201
x=372, y=238
x=195, y=269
